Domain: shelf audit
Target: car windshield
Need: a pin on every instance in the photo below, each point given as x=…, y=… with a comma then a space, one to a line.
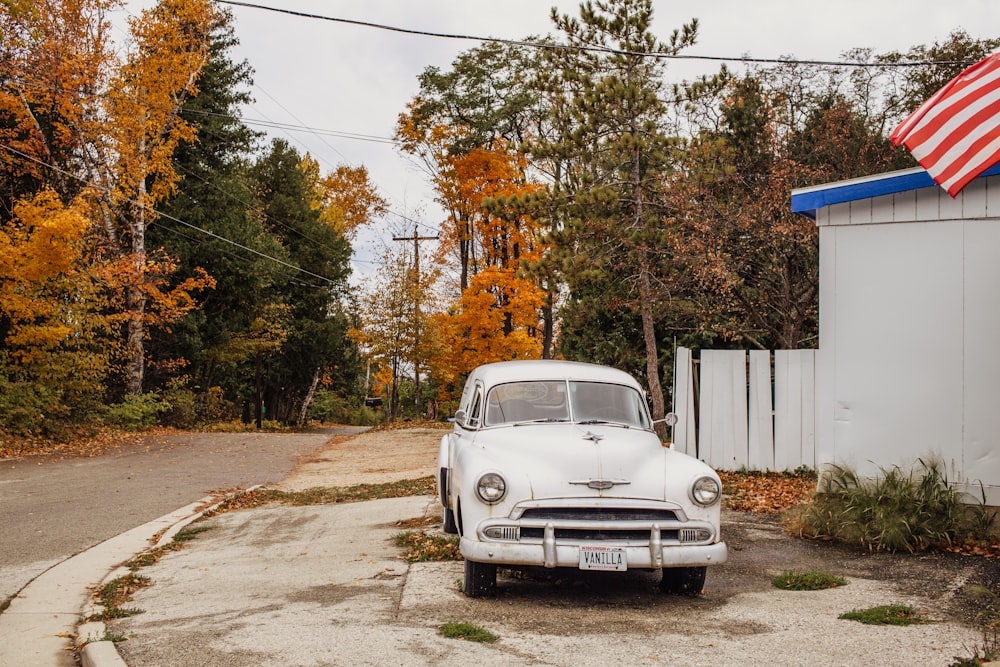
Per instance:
x=559, y=401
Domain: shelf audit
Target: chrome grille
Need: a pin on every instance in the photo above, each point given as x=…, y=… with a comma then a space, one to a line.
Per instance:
x=597, y=514
x=592, y=535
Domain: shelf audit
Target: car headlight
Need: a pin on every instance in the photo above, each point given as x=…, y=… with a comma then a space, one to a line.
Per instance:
x=706, y=491
x=491, y=487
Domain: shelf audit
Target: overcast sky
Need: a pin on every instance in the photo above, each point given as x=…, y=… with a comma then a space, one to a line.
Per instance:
x=340, y=78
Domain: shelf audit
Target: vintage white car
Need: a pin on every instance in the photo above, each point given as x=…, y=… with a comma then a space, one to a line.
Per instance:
x=556, y=464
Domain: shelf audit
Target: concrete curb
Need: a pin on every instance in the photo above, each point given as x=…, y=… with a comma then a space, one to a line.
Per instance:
x=38, y=626
x=104, y=653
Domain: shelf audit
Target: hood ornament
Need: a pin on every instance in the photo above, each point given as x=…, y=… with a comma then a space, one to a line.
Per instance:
x=593, y=436
x=600, y=484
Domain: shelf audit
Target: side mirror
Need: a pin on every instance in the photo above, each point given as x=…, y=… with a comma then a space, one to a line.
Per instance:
x=460, y=417
x=670, y=419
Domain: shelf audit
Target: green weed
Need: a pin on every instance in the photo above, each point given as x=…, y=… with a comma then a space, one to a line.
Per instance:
x=890, y=614
x=808, y=581
x=153, y=556
x=468, y=632
x=116, y=593
x=987, y=650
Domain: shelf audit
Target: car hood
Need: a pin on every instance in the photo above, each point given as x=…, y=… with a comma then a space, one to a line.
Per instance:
x=563, y=460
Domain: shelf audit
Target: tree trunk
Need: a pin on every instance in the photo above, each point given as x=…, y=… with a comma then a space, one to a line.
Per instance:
x=548, y=325
x=309, y=397
x=135, y=304
x=649, y=337
x=135, y=299
x=258, y=403
x=646, y=296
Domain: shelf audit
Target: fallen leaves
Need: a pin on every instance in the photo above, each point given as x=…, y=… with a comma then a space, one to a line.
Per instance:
x=989, y=549
x=765, y=492
x=422, y=547
x=323, y=495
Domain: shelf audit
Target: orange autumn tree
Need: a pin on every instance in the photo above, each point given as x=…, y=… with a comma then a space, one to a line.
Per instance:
x=496, y=315
x=136, y=138
x=88, y=133
x=54, y=55
x=350, y=200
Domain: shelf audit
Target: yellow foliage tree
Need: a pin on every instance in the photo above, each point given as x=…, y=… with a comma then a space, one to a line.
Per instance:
x=346, y=198
x=392, y=331
x=137, y=139
x=51, y=304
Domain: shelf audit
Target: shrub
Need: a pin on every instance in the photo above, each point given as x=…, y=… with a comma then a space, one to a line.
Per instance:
x=28, y=409
x=189, y=408
x=890, y=513
x=331, y=407
x=137, y=411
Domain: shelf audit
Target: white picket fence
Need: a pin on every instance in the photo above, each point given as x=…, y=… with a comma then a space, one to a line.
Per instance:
x=744, y=410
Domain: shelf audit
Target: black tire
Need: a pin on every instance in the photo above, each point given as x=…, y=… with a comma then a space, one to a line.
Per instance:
x=448, y=522
x=480, y=579
x=683, y=580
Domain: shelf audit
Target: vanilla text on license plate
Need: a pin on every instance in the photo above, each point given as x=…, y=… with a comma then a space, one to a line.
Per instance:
x=603, y=558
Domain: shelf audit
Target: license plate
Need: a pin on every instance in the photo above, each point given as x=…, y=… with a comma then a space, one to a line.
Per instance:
x=603, y=558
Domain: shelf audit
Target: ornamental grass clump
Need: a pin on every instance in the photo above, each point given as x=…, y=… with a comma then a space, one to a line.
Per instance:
x=897, y=511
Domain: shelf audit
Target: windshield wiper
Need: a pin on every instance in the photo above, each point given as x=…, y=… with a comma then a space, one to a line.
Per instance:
x=545, y=420
x=603, y=421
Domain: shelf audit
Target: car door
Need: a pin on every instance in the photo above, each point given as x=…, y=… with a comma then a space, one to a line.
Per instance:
x=467, y=423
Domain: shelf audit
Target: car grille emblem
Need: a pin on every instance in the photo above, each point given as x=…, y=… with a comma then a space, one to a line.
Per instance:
x=600, y=484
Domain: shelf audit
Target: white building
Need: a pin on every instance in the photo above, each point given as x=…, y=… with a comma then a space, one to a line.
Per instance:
x=908, y=365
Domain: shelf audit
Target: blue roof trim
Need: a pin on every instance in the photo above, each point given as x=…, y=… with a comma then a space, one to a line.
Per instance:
x=808, y=200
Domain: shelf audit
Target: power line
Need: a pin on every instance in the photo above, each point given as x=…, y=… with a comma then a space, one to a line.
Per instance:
x=241, y=258
x=339, y=134
x=175, y=219
x=586, y=48
x=247, y=204
x=265, y=123
x=299, y=120
x=416, y=222
x=319, y=132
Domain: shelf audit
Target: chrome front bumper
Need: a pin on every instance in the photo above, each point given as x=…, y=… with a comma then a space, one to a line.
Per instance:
x=552, y=552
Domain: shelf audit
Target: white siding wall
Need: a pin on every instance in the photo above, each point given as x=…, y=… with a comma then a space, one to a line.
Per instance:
x=981, y=452
x=908, y=366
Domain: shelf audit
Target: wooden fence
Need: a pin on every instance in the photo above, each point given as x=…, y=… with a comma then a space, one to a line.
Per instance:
x=738, y=410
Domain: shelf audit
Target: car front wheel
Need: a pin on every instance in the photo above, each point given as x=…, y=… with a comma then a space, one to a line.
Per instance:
x=683, y=580
x=480, y=579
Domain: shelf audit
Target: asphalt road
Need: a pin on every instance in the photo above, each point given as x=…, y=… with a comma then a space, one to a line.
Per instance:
x=51, y=509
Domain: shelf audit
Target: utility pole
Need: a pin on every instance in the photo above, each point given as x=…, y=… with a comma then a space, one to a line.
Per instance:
x=416, y=238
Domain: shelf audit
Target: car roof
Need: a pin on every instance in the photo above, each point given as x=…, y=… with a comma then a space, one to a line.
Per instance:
x=549, y=369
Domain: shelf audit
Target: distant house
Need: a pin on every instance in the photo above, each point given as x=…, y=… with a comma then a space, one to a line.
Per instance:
x=908, y=365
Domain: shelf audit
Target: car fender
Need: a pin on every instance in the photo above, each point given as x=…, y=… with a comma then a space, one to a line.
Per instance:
x=468, y=465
